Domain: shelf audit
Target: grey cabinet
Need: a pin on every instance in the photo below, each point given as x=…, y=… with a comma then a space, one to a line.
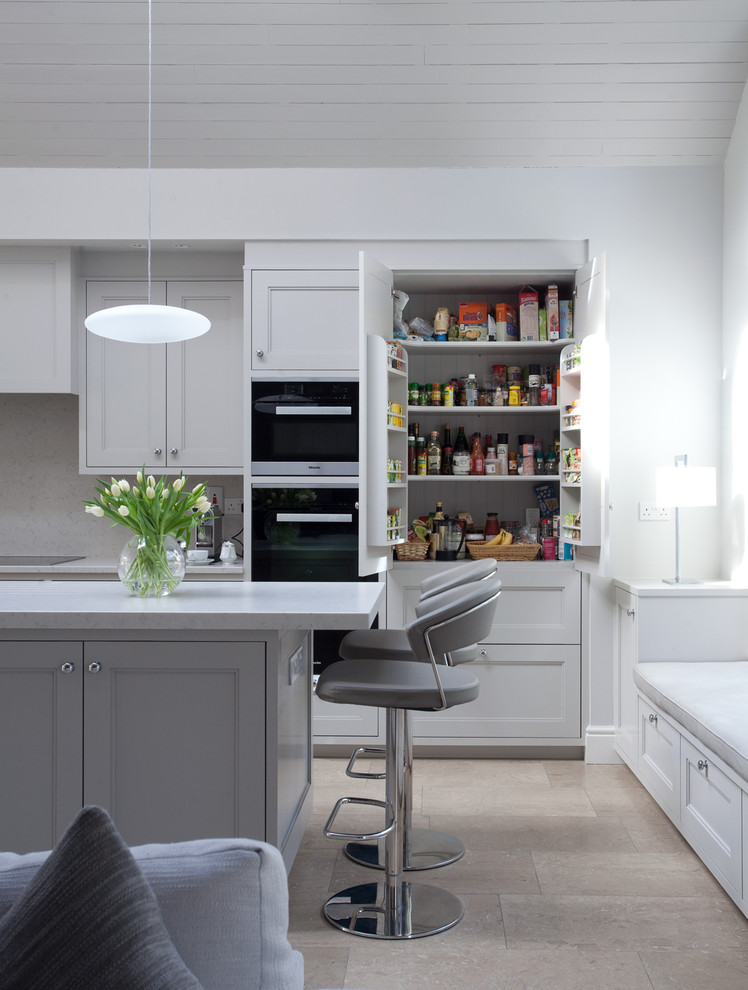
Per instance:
x=304, y=321
x=169, y=736
x=168, y=406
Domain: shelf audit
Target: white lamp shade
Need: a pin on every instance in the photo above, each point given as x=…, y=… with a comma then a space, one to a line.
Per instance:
x=686, y=486
x=147, y=324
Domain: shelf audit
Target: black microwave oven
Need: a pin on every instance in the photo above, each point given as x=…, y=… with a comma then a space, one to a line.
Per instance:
x=305, y=428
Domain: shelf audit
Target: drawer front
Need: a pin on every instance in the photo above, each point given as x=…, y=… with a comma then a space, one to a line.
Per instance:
x=526, y=692
x=659, y=757
x=711, y=814
x=330, y=721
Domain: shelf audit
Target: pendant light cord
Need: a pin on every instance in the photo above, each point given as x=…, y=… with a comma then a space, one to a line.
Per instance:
x=150, y=91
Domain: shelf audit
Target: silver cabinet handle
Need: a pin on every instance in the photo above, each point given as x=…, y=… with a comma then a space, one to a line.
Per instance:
x=703, y=765
x=157, y=452
x=67, y=667
x=260, y=353
x=94, y=667
x=653, y=719
x=484, y=653
x=630, y=611
x=173, y=450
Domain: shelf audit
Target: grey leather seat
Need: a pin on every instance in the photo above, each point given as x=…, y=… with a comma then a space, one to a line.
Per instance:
x=427, y=849
x=394, y=907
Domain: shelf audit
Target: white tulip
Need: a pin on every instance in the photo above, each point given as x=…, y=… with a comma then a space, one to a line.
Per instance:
x=124, y=485
x=150, y=492
x=135, y=491
x=139, y=477
x=116, y=491
x=151, y=481
x=165, y=492
x=197, y=488
x=178, y=484
x=123, y=510
x=95, y=510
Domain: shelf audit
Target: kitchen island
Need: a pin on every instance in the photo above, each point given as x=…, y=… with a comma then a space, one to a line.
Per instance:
x=185, y=716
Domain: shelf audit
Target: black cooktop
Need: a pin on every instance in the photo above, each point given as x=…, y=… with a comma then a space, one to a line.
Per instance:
x=31, y=561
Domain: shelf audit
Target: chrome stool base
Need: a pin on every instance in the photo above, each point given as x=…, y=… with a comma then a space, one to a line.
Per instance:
x=395, y=910
x=426, y=850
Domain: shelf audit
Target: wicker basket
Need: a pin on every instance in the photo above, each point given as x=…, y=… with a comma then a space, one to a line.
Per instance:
x=515, y=551
x=412, y=551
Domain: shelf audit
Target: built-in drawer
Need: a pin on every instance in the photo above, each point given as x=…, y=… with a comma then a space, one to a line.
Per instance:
x=659, y=758
x=711, y=815
x=526, y=692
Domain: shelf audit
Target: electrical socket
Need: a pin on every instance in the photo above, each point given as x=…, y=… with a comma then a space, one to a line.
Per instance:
x=234, y=506
x=216, y=490
x=652, y=512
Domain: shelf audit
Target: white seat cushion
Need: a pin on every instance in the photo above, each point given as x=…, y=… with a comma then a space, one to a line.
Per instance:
x=710, y=699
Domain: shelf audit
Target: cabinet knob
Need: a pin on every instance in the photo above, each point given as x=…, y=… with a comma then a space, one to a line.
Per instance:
x=260, y=353
x=484, y=653
x=703, y=765
x=94, y=667
x=67, y=667
x=157, y=452
x=653, y=719
x=630, y=611
x=173, y=450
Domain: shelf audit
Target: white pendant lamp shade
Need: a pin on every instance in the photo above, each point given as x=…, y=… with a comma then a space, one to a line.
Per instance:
x=147, y=323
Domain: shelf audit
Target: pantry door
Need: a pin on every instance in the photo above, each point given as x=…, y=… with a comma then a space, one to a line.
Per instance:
x=375, y=287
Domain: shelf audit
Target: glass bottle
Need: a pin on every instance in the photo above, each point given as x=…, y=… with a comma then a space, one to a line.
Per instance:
x=447, y=450
x=421, y=464
x=411, y=455
x=477, y=461
x=434, y=454
x=502, y=453
x=461, y=453
x=491, y=463
x=492, y=525
x=471, y=390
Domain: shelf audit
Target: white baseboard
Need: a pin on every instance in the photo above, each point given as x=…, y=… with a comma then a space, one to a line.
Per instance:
x=599, y=745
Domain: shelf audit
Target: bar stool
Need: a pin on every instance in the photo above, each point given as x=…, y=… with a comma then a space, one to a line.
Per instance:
x=396, y=908
x=427, y=849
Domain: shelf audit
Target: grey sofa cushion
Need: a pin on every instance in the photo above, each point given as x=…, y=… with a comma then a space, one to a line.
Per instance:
x=88, y=918
x=708, y=698
x=224, y=903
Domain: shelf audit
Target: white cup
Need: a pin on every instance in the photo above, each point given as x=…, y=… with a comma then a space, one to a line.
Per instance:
x=194, y=555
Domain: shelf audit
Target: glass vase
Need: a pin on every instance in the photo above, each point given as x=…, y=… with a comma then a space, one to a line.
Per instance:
x=151, y=566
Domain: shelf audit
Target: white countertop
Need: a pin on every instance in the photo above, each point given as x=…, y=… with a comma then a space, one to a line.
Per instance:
x=237, y=605
x=657, y=588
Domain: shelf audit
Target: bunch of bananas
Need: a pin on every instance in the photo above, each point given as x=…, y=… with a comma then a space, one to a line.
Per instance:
x=502, y=539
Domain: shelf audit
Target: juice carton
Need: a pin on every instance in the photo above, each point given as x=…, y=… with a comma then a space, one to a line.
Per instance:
x=473, y=321
x=528, y=314
x=566, y=318
x=551, y=305
x=506, y=322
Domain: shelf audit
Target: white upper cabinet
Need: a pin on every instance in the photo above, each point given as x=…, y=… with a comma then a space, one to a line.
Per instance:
x=168, y=406
x=36, y=320
x=305, y=321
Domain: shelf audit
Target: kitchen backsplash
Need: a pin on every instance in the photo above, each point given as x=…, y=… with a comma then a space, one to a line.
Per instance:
x=41, y=492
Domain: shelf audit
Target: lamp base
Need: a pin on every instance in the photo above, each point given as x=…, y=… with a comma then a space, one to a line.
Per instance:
x=681, y=581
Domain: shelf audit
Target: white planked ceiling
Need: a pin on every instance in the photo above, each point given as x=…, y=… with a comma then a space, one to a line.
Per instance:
x=354, y=83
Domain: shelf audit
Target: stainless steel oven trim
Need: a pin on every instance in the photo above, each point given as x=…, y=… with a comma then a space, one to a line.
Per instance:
x=290, y=469
x=328, y=517
x=313, y=411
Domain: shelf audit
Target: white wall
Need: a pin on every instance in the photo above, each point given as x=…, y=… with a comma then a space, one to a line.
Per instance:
x=735, y=350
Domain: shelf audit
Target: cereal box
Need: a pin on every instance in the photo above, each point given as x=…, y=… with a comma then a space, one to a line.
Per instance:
x=528, y=314
x=566, y=319
x=473, y=321
x=506, y=322
x=551, y=305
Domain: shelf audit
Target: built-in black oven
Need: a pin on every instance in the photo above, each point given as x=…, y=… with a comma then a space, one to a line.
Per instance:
x=304, y=428
x=306, y=533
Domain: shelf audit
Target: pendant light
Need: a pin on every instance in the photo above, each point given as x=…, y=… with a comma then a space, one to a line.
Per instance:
x=148, y=323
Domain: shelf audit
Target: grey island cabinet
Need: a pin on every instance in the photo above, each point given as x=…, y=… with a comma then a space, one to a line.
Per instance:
x=185, y=716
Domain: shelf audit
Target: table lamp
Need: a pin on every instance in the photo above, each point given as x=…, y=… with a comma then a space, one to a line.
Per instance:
x=682, y=486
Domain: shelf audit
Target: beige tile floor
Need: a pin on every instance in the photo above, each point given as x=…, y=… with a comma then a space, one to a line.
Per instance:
x=573, y=879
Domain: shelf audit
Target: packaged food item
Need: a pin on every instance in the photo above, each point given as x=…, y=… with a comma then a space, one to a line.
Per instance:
x=551, y=305
x=528, y=314
x=506, y=322
x=566, y=319
x=542, y=324
x=441, y=323
x=473, y=321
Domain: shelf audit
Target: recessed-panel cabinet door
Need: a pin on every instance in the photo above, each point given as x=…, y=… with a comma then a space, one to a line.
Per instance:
x=125, y=387
x=41, y=727
x=175, y=738
x=204, y=380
